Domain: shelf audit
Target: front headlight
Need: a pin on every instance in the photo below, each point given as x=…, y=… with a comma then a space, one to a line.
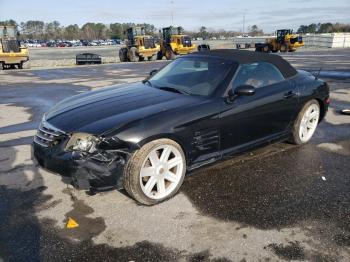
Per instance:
x=82, y=142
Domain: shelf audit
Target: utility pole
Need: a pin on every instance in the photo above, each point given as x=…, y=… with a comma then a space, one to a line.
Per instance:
x=172, y=12
x=243, y=23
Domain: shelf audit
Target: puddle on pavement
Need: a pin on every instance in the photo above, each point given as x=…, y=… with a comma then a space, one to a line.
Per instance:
x=88, y=227
x=291, y=251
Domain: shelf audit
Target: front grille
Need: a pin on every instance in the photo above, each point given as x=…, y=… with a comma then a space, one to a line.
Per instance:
x=10, y=46
x=48, y=135
x=186, y=41
x=149, y=43
x=294, y=40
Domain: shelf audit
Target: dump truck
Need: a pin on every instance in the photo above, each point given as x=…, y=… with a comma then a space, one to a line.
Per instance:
x=12, y=54
x=285, y=41
x=174, y=43
x=139, y=46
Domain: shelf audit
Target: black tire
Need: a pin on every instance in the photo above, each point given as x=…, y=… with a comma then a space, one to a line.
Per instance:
x=133, y=55
x=3, y=65
x=132, y=169
x=152, y=58
x=266, y=49
x=20, y=65
x=284, y=48
x=141, y=58
x=295, y=139
x=160, y=55
x=169, y=54
x=123, y=54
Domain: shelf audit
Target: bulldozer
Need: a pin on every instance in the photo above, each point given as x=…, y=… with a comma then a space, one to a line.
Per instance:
x=174, y=43
x=12, y=54
x=139, y=46
x=285, y=41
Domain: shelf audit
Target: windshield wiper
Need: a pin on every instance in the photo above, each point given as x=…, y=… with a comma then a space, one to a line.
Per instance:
x=173, y=89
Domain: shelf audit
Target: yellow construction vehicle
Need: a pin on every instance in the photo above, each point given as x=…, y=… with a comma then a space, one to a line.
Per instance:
x=174, y=42
x=139, y=46
x=11, y=52
x=285, y=41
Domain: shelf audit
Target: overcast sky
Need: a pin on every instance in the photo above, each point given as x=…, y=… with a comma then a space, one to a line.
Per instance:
x=216, y=14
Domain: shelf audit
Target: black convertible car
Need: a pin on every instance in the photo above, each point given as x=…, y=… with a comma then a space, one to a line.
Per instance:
x=196, y=110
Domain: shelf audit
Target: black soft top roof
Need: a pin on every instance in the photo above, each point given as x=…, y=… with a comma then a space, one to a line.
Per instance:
x=244, y=56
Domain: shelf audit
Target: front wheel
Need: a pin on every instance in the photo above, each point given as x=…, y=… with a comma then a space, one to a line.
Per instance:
x=284, y=48
x=155, y=172
x=306, y=123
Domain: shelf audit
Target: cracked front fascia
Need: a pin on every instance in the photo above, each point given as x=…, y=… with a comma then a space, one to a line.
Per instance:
x=102, y=168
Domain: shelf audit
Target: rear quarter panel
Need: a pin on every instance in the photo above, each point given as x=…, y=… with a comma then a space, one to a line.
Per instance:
x=310, y=88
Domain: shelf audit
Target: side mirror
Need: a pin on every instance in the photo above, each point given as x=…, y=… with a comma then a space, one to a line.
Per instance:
x=153, y=72
x=243, y=90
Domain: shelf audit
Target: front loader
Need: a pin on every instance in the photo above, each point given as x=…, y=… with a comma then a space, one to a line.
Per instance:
x=12, y=54
x=139, y=46
x=285, y=41
x=174, y=43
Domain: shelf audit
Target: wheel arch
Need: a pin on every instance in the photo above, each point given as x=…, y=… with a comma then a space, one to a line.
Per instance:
x=177, y=139
x=322, y=105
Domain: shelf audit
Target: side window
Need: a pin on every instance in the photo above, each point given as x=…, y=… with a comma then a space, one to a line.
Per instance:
x=257, y=74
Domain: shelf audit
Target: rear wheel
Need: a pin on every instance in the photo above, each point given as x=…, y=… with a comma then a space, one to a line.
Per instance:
x=169, y=54
x=160, y=55
x=155, y=172
x=266, y=49
x=123, y=54
x=306, y=123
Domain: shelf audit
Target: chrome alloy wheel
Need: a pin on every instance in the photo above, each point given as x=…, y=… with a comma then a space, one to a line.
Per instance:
x=309, y=122
x=161, y=171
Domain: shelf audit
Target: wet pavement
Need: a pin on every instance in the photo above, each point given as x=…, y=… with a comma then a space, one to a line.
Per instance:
x=280, y=202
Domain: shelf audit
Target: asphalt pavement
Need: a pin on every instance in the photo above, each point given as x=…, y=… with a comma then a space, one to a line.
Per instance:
x=279, y=202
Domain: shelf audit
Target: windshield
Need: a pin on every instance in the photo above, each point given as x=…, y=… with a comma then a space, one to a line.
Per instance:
x=7, y=32
x=192, y=75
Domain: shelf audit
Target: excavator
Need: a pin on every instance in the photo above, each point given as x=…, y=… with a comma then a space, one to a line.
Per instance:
x=12, y=54
x=174, y=43
x=139, y=46
x=285, y=41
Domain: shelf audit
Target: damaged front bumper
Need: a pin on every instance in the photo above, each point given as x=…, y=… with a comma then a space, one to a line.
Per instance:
x=102, y=169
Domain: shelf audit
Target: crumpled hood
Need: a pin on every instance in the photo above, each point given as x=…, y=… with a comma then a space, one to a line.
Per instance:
x=97, y=112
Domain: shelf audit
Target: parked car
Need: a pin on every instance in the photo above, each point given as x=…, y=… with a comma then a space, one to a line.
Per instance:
x=197, y=110
x=88, y=58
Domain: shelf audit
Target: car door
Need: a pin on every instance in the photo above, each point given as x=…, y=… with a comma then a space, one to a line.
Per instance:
x=252, y=119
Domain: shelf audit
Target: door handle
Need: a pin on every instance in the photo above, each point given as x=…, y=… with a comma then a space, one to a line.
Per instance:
x=289, y=94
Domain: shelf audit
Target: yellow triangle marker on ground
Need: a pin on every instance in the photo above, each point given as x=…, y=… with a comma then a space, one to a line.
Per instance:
x=71, y=223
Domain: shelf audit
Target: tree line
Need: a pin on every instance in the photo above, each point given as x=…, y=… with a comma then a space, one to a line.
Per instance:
x=39, y=30
x=324, y=28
